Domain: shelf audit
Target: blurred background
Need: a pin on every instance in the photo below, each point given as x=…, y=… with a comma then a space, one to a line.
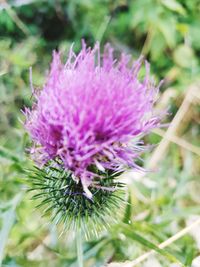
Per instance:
x=163, y=202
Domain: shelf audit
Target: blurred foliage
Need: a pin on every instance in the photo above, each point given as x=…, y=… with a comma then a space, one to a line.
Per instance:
x=167, y=32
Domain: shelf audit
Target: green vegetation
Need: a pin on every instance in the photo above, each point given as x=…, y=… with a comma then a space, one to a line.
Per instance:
x=167, y=32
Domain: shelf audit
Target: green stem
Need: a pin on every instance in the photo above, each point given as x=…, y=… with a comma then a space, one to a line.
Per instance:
x=79, y=248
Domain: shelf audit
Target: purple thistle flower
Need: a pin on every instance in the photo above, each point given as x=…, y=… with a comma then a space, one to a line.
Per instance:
x=92, y=111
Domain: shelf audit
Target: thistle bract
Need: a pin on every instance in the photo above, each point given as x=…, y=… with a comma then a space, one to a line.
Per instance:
x=65, y=201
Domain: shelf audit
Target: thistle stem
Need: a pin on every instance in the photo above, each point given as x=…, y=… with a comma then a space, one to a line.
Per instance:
x=79, y=248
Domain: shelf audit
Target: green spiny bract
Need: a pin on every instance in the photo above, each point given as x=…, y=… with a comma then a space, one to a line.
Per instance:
x=64, y=199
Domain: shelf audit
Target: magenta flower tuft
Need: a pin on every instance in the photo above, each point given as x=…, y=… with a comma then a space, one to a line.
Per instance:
x=91, y=112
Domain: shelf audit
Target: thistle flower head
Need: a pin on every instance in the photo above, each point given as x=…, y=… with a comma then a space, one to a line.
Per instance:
x=90, y=113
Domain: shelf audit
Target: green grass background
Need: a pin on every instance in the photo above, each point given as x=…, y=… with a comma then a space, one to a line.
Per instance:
x=167, y=32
